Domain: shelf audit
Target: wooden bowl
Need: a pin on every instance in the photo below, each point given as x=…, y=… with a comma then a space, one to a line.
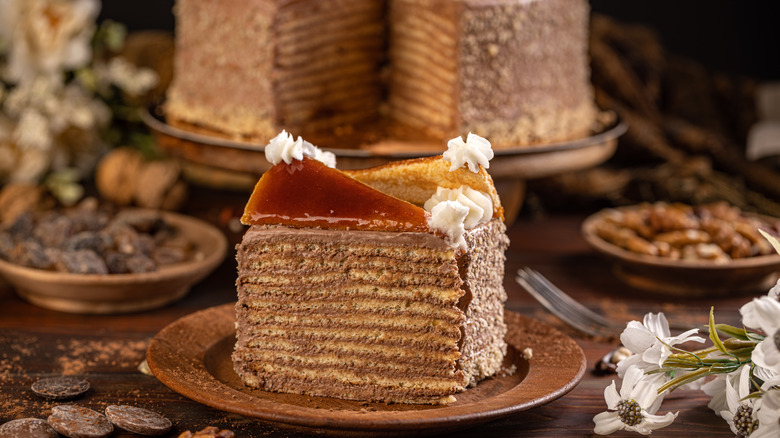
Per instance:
x=685, y=278
x=122, y=293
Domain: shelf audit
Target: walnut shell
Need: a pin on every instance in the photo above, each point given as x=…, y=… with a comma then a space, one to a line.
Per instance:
x=116, y=175
x=159, y=185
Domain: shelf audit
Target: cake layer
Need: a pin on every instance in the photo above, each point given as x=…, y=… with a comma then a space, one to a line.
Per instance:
x=368, y=315
x=328, y=57
x=350, y=321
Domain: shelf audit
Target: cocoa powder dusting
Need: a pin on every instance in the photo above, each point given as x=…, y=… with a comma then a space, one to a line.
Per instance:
x=83, y=356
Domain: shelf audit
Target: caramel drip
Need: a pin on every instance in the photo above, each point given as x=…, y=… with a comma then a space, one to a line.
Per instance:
x=308, y=194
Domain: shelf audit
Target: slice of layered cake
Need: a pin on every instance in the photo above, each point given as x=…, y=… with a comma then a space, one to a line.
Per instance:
x=384, y=284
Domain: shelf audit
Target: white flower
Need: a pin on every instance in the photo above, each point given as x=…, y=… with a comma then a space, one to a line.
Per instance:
x=46, y=37
x=739, y=415
x=650, y=342
x=635, y=407
x=768, y=415
x=716, y=389
x=448, y=217
x=479, y=204
x=32, y=131
x=131, y=79
x=284, y=148
x=775, y=291
x=474, y=152
x=764, y=314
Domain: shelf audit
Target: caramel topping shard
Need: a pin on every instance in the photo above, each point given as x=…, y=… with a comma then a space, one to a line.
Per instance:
x=416, y=180
x=308, y=194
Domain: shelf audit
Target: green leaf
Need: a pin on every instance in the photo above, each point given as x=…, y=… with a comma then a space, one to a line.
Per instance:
x=684, y=379
x=714, y=333
x=734, y=332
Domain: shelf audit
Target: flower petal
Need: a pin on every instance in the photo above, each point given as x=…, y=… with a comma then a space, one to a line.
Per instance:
x=652, y=422
x=767, y=355
x=657, y=324
x=762, y=313
x=632, y=377
x=637, y=339
x=633, y=361
x=646, y=393
x=611, y=396
x=607, y=423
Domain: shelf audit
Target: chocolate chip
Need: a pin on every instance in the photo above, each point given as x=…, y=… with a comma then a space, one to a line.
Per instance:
x=60, y=388
x=79, y=422
x=27, y=428
x=138, y=420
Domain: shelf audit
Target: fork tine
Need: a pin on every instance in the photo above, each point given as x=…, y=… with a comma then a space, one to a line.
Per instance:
x=563, y=306
x=571, y=302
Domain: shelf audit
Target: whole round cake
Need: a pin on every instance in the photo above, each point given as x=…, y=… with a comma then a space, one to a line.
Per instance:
x=515, y=71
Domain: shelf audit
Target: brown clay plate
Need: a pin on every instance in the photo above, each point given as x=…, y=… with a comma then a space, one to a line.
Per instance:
x=689, y=278
x=122, y=293
x=192, y=357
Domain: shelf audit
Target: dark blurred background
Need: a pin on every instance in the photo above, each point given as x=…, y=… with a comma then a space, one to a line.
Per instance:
x=731, y=36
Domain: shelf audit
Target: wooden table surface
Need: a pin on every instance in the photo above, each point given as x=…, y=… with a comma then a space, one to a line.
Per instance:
x=106, y=350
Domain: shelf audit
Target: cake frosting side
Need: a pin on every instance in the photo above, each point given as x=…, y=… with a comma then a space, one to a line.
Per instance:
x=515, y=71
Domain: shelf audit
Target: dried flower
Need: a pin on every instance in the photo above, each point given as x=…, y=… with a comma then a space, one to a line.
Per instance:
x=53, y=119
x=768, y=415
x=634, y=408
x=45, y=37
x=651, y=342
x=745, y=390
x=764, y=314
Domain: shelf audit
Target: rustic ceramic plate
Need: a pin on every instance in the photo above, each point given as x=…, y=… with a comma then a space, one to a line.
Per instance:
x=192, y=357
x=121, y=293
x=689, y=278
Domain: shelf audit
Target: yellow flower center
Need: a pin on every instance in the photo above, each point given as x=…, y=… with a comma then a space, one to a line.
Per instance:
x=630, y=412
x=743, y=420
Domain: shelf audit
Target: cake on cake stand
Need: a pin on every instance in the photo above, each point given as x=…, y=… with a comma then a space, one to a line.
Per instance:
x=211, y=159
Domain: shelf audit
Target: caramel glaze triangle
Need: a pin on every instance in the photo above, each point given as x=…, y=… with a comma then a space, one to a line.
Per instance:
x=309, y=194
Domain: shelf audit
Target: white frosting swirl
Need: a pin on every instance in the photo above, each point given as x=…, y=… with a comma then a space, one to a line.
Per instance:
x=448, y=217
x=475, y=151
x=284, y=148
x=479, y=204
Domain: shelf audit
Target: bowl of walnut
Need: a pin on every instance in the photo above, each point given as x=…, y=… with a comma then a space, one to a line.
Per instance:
x=683, y=250
x=96, y=260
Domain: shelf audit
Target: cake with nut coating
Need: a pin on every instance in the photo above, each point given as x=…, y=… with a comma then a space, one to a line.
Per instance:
x=515, y=71
x=352, y=292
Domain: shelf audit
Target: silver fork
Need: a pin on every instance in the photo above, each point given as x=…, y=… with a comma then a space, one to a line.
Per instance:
x=571, y=311
x=565, y=307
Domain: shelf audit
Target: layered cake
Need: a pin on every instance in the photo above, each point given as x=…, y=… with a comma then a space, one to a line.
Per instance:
x=383, y=284
x=515, y=71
